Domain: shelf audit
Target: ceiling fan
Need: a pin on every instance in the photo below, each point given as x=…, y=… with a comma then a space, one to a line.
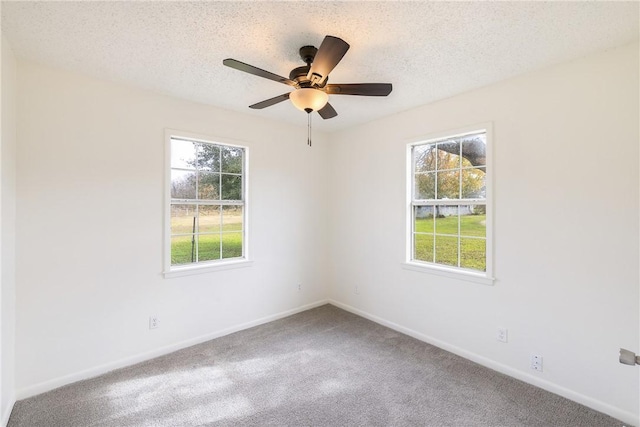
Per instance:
x=310, y=82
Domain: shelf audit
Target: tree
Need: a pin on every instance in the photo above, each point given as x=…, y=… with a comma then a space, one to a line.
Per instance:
x=456, y=168
x=473, y=149
x=224, y=163
x=219, y=174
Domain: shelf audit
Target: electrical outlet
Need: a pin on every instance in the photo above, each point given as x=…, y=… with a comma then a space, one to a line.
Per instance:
x=536, y=362
x=299, y=286
x=502, y=334
x=153, y=322
x=356, y=290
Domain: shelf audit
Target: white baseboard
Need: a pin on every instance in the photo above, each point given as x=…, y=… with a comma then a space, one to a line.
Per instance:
x=598, y=405
x=7, y=412
x=132, y=360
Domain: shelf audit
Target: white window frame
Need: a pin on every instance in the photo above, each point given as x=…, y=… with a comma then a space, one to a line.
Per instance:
x=485, y=277
x=213, y=265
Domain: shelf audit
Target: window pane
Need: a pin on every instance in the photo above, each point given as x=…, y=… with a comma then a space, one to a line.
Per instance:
x=473, y=254
x=183, y=154
x=424, y=158
x=209, y=157
x=231, y=160
x=473, y=183
x=231, y=187
x=183, y=250
x=231, y=245
x=423, y=217
x=208, y=247
x=209, y=219
x=447, y=250
x=209, y=186
x=423, y=247
x=425, y=186
x=183, y=184
x=447, y=220
x=182, y=217
x=447, y=171
x=203, y=175
x=474, y=149
x=449, y=185
x=232, y=218
x=473, y=220
x=448, y=153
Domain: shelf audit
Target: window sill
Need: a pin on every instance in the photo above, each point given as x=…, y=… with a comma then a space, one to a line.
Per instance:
x=468, y=276
x=207, y=268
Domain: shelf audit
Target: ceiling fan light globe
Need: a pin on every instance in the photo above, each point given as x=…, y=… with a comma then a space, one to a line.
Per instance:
x=308, y=99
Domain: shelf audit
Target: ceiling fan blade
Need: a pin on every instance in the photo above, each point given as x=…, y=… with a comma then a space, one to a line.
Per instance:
x=257, y=71
x=327, y=112
x=269, y=102
x=362, y=89
x=329, y=54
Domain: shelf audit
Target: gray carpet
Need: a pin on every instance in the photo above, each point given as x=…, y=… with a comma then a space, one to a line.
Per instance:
x=323, y=367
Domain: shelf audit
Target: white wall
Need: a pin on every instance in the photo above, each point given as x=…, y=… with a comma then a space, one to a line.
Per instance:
x=90, y=227
x=7, y=231
x=566, y=229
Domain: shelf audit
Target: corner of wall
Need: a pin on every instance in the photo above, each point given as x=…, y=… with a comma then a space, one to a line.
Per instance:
x=7, y=231
x=7, y=409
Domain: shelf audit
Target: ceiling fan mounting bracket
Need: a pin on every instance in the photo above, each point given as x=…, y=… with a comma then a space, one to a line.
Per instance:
x=308, y=53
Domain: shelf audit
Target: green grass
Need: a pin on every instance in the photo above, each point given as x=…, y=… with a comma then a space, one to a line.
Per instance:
x=445, y=249
x=208, y=221
x=209, y=226
x=208, y=248
x=470, y=225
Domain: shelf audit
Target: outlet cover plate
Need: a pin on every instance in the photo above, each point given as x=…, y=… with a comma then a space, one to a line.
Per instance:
x=536, y=362
x=153, y=322
x=502, y=335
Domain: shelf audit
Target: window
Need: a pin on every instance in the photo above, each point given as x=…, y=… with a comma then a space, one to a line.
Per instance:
x=207, y=203
x=449, y=210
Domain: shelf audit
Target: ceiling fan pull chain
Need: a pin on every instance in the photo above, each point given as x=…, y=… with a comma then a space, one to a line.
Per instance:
x=309, y=129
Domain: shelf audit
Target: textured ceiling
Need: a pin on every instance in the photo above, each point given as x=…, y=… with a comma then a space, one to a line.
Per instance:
x=427, y=50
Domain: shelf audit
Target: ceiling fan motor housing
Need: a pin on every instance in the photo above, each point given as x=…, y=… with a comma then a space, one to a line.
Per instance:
x=299, y=74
